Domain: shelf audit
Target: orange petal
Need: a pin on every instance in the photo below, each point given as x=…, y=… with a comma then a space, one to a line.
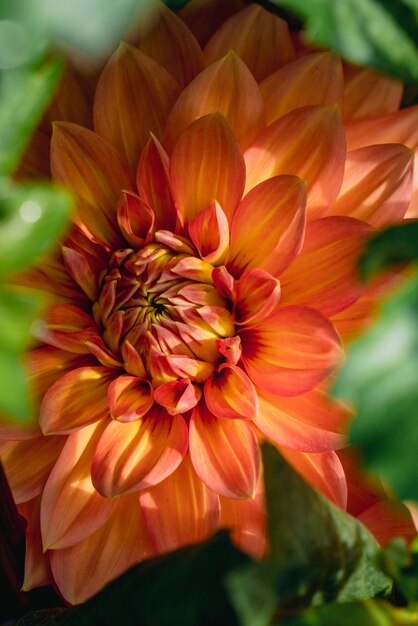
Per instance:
x=323, y=470
x=209, y=231
x=311, y=422
x=94, y=171
x=207, y=165
x=169, y=42
x=82, y=570
x=312, y=79
x=81, y=271
x=37, y=568
x=377, y=184
x=66, y=327
x=230, y=393
x=133, y=98
x=135, y=219
x=186, y=367
x=129, y=398
x=226, y=86
x=330, y=242
x=178, y=396
x=230, y=349
x=260, y=38
x=258, y=294
x=78, y=398
x=172, y=524
x=71, y=508
x=203, y=17
x=369, y=94
x=308, y=143
x=98, y=348
x=389, y=519
x=154, y=186
x=246, y=520
x=224, y=453
x=27, y=464
x=71, y=101
x=268, y=226
x=291, y=351
x=135, y=455
x=398, y=127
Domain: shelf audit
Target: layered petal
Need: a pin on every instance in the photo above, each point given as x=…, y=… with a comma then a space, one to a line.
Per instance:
x=129, y=398
x=257, y=295
x=323, y=470
x=377, y=184
x=83, y=569
x=209, y=231
x=27, y=464
x=369, y=94
x=325, y=274
x=133, y=98
x=260, y=38
x=93, y=169
x=67, y=327
x=309, y=143
x=135, y=455
x=310, y=422
x=207, y=165
x=312, y=79
x=135, y=219
x=180, y=510
x=224, y=453
x=178, y=396
x=230, y=393
x=171, y=44
x=71, y=508
x=78, y=398
x=37, y=569
x=291, y=351
x=268, y=226
x=226, y=86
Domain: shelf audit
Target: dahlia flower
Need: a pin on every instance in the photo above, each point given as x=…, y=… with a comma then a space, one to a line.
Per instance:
x=203, y=296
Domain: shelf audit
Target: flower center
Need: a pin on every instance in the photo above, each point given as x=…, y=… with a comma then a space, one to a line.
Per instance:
x=159, y=303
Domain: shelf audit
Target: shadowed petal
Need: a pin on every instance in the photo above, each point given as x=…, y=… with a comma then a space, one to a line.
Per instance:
x=310, y=422
x=209, y=231
x=230, y=393
x=260, y=38
x=37, y=568
x=204, y=17
x=258, y=294
x=388, y=519
x=71, y=508
x=27, y=464
x=78, y=398
x=226, y=86
x=180, y=510
x=377, y=184
x=291, y=351
x=308, y=143
x=324, y=275
x=129, y=398
x=207, y=165
x=313, y=79
x=169, y=42
x=268, y=226
x=323, y=470
x=135, y=455
x=67, y=327
x=369, y=94
x=135, y=219
x=224, y=453
x=133, y=98
x=82, y=570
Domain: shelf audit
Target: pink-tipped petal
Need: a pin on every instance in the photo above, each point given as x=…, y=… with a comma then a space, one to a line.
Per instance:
x=129, y=398
x=230, y=393
x=268, y=226
x=224, y=454
x=135, y=455
x=260, y=38
x=180, y=510
x=325, y=274
x=71, y=508
x=291, y=351
x=258, y=294
x=207, y=165
x=178, y=396
x=307, y=142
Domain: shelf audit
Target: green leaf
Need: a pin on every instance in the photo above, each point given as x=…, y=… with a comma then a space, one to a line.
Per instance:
x=366, y=613
x=14, y=399
x=317, y=552
x=17, y=312
x=400, y=562
x=395, y=245
x=32, y=218
x=184, y=587
x=377, y=33
x=24, y=94
x=380, y=379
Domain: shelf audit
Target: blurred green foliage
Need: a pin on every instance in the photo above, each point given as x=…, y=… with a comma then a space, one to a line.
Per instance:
x=379, y=33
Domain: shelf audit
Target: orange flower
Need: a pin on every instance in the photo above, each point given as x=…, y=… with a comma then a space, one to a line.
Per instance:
x=199, y=300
